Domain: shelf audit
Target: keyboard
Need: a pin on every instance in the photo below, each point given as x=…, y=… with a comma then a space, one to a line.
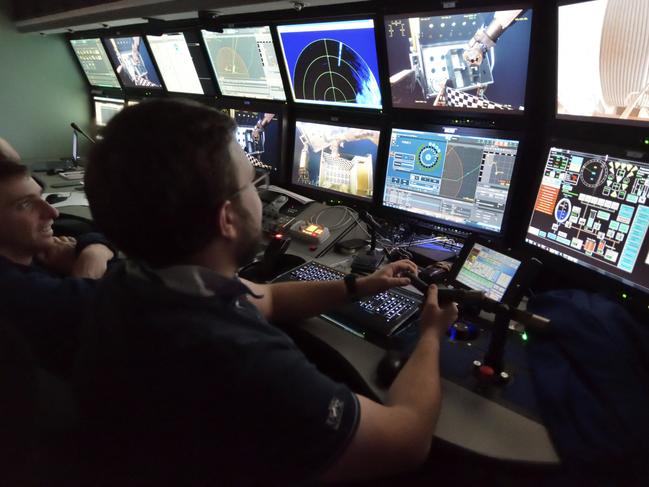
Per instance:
x=378, y=316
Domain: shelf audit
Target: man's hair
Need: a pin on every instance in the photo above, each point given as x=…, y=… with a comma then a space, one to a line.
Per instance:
x=10, y=169
x=10, y=166
x=158, y=177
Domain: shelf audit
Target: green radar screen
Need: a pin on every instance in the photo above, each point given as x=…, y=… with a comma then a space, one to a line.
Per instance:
x=429, y=159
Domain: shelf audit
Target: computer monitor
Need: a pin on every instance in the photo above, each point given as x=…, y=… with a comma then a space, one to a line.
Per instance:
x=591, y=209
x=603, y=69
x=454, y=175
x=473, y=61
x=95, y=63
x=488, y=270
x=132, y=62
x=259, y=134
x=332, y=63
x=245, y=63
x=175, y=62
x=106, y=108
x=335, y=159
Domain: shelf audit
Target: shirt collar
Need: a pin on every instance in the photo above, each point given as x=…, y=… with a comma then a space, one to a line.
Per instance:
x=196, y=281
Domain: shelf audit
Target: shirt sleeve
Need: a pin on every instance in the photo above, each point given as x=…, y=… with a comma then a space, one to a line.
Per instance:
x=301, y=419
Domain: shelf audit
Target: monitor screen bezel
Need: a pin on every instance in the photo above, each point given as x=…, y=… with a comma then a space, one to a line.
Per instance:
x=598, y=120
x=279, y=109
x=461, y=130
x=321, y=194
x=137, y=90
x=376, y=19
x=559, y=263
x=183, y=32
x=215, y=78
x=453, y=111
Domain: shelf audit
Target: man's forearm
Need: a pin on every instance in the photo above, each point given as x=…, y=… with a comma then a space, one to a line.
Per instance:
x=417, y=387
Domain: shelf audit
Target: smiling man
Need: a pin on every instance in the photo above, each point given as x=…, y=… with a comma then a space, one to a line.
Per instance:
x=45, y=280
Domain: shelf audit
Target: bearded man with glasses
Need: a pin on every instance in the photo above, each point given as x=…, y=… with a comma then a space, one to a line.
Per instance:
x=183, y=379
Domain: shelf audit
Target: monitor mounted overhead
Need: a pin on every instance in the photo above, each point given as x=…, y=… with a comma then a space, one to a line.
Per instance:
x=133, y=62
x=332, y=63
x=603, y=67
x=591, y=209
x=172, y=54
x=95, y=63
x=474, y=61
x=245, y=63
x=335, y=159
x=458, y=176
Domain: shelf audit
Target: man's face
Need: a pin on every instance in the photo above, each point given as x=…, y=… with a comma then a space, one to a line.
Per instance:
x=248, y=206
x=26, y=217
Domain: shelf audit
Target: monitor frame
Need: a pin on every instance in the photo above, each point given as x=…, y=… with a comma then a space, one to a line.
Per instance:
x=461, y=130
x=571, y=119
x=521, y=280
x=107, y=89
x=109, y=101
x=330, y=196
x=135, y=90
x=212, y=91
x=243, y=25
x=381, y=69
x=280, y=110
x=420, y=11
x=594, y=277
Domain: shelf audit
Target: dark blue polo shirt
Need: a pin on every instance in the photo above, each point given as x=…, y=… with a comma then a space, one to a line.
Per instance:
x=197, y=387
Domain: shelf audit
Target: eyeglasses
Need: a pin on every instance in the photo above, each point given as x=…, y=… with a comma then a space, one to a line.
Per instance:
x=260, y=182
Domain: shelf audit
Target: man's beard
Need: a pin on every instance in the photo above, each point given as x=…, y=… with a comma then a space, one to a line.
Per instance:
x=249, y=243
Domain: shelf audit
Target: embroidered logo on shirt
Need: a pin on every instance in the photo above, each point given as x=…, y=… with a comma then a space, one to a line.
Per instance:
x=335, y=415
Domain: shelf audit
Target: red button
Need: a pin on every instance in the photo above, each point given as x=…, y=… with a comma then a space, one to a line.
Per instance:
x=313, y=248
x=486, y=371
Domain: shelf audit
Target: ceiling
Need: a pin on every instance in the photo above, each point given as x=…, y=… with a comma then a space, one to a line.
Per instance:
x=61, y=16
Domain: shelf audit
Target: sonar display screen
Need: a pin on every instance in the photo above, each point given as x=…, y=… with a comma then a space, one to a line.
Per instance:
x=335, y=158
x=459, y=176
x=467, y=62
x=332, y=63
x=603, y=69
x=591, y=209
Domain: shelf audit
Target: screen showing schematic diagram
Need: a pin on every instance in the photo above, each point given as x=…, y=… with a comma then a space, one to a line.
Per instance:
x=245, y=63
x=332, y=63
x=95, y=63
x=468, y=62
x=335, y=158
x=133, y=62
x=258, y=134
x=603, y=69
x=488, y=270
x=591, y=209
x=451, y=176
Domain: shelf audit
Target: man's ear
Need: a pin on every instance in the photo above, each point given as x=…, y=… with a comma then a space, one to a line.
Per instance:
x=226, y=220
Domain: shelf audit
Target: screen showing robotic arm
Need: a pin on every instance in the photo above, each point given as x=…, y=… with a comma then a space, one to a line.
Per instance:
x=471, y=61
x=335, y=159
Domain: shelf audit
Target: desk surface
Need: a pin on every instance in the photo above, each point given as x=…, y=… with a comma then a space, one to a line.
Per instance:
x=467, y=420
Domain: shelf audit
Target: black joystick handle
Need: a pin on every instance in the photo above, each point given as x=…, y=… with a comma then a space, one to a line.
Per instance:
x=460, y=296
